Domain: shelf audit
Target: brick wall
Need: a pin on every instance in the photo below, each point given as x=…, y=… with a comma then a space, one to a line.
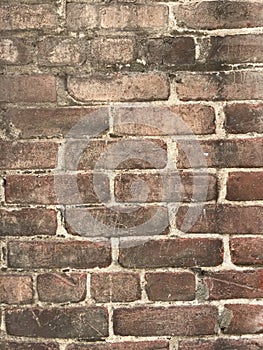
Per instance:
x=148, y=234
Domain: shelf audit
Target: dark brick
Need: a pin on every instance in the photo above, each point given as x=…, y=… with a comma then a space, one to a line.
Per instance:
x=247, y=251
x=138, y=345
x=221, y=344
x=243, y=186
x=11, y=345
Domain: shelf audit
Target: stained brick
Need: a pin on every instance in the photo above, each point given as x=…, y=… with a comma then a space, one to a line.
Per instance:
x=81, y=16
x=221, y=344
x=138, y=345
x=15, y=51
x=16, y=289
x=246, y=251
x=12, y=345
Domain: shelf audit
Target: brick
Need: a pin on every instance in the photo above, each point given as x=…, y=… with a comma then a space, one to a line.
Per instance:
x=246, y=251
x=224, y=219
x=138, y=345
x=221, y=344
x=88, y=322
x=243, y=319
x=177, y=120
x=113, y=50
x=169, y=321
x=59, y=51
x=28, y=155
x=81, y=16
x=242, y=85
x=58, y=254
x=231, y=153
x=170, y=286
x=12, y=345
x=61, y=288
x=22, y=88
x=243, y=118
x=15, y=51
x=172, y=253
x=119, y=87
x=244, y=186
x=170, y=187
x=234, y=284
x=170, y=51
x=219, y=15
x=34, y=189
x=115, y=287
x=236, y=49
x=28, y=222
x=16, y=289
x=25, y=17
x=130, y=17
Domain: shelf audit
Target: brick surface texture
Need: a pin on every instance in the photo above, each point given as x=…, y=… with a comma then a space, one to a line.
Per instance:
x=131, y=175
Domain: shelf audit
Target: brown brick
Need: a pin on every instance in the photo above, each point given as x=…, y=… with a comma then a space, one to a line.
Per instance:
x=81, y=16
x=58, y=254
x=169, y=321
x=33, y=189
x=221, y=344
x=246, y=251
x=22, y=88
x=28, y=222
x=244, y=85
x=89, y=322
x=26, y=155
x=234, y=284
x=138, y=345
x=28, y=16
x=15, y=51
x=243, y=118
x=170, y=286
x=119, y=87
x=132, y=17
x=59, y=51
x=244, y=186
x=244, y=319
x=172, y=253
x=115, y=287
x=236, y=49
x=219, y=14
x=177, y=120
x=16, y=289
x=12, y=345
x=61, y=288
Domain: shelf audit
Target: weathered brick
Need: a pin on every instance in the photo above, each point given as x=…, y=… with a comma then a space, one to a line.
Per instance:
x=81, y=16
x=170, y=321
x=119, y=87
x=61, y=288
x=12, y=345
x=58, y=254
x=28, y=222
x=132, y=17
x=138, y=345
x=243, y=118
x=22, y=88
x=31, y=16
x=115, y=287
x=244, y=186
x=15, y=51
x=172, y=253
x=88, y=322
x=170, y=286
x=221, y=344
x=16, y=289
x=246, y=251
x=219, y=14
x=28, y=155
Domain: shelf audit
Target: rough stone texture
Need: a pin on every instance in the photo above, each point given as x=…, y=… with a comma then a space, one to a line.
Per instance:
x=16, y=289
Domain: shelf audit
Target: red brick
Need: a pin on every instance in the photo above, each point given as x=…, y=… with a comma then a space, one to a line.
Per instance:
x=16, y=289
x=221, y=344
x=89, y=322
x=244, y=186
x=169, y=321
x=81, y=16
x=28, y=222
x=241, y=85
x=246, y=251
x=22, y=16
x=170, y=286
x=234, y=284
x=172, y=253
x=22, y=88
x=243, y=118
x=177, y=120
x=119, y=87
x=28, y=155
x=132, y=17
x=33, y=189
x=115, y=287
x=61, y=288
x=15, y=51
x=58, y=254
x=137, y=345
x=12, y=345
x=219, y=15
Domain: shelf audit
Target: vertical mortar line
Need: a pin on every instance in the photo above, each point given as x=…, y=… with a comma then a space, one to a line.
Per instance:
x=197, y=49
x=2, y=190
x=35, y=291
x=174, y=344
x=220, y=119
x=115, y=241
x=111, y=327
x=88, y=287
x=227, y=262
x=111, y=173
x=3, y=321
x=144, y=296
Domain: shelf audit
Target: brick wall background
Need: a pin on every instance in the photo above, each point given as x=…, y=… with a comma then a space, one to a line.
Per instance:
x=198, y=60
